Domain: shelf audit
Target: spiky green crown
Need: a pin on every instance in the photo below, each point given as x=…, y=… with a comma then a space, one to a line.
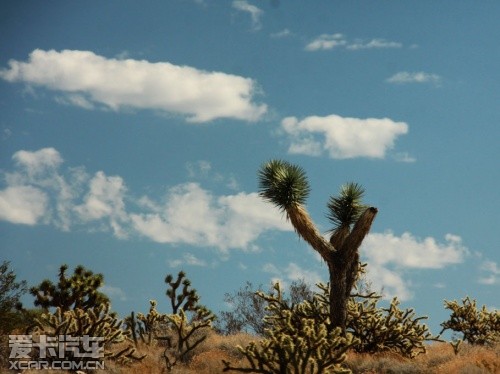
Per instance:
x=283, y=184
x=346, y=208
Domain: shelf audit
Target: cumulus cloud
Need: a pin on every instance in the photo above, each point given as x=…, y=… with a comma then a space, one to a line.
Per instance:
x=40, y=190
x=22, y=204
x=410, y=252
x=405, y=77
x=335, y=41
x=105, y=200
x=389, y=256
x=189, y=214
x=36, y=163
x=342, y=137
x=89, y=79
x=255, y=12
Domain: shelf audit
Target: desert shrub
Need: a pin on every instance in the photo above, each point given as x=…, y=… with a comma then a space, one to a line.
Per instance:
x=11, y=292
x=477, y=326
x=296, y=340
x=248, y=309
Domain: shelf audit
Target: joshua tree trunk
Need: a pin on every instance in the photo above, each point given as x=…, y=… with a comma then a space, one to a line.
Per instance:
x=343, y=265
x=286, y=186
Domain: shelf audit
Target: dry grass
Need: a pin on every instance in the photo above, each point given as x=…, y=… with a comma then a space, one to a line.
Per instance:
x=207, y=358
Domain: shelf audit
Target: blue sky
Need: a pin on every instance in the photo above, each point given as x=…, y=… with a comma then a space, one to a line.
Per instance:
x=131, y=136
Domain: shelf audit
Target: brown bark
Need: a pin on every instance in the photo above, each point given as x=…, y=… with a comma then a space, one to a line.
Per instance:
x=343, y=266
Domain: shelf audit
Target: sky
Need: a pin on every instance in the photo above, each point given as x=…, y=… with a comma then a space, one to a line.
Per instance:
x=132, y=134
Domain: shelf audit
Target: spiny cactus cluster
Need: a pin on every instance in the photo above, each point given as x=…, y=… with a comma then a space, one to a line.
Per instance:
x=70, y=292
x=146, y=328
x=180, y=331
x=387, y=329
x=98, y=321
x=480, y=327
x=381, y=329
x=187, y=323
x=298, y=340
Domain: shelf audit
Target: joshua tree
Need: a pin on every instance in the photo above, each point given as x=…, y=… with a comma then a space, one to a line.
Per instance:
x=79, y=291
x=286, y=186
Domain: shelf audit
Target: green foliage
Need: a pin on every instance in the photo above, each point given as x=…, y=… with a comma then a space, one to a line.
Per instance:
x=79, y=291
x=480, y=327
x=283, y=184
x=297, y=340
x=345, y=209
x=10, y=295
x=97, y=321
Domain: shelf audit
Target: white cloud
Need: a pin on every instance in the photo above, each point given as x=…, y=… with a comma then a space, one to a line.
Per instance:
x=326, y=41
x=22, y=205
x=492, y=273
x=335, y=41
x=390, y=256
x=191, y=215
x=281, y=34
x=38, y=162
x=39, y=190
x=105, y=199
x=255, y=12
x=372, y=44
x=90, y=79
x=417, y=77
x=342, y=137
x=410, y=252
x=187, y=259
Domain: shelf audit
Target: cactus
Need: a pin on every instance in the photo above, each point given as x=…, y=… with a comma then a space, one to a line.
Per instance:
x=98, y=321
x=297, y=340
x=286, y=186
x=479, y=327
x=180, y=331
x=147, y=327
x=381, y=329
x=186, y=323
x=80, y=291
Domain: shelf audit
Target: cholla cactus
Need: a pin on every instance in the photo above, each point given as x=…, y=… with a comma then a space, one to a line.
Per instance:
x=382, y=329
x=297, y=341
x=181, y=331
x=480, y=327
x=187, y=323
x=146, y=328
x=387, y=329
x=93, y=322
